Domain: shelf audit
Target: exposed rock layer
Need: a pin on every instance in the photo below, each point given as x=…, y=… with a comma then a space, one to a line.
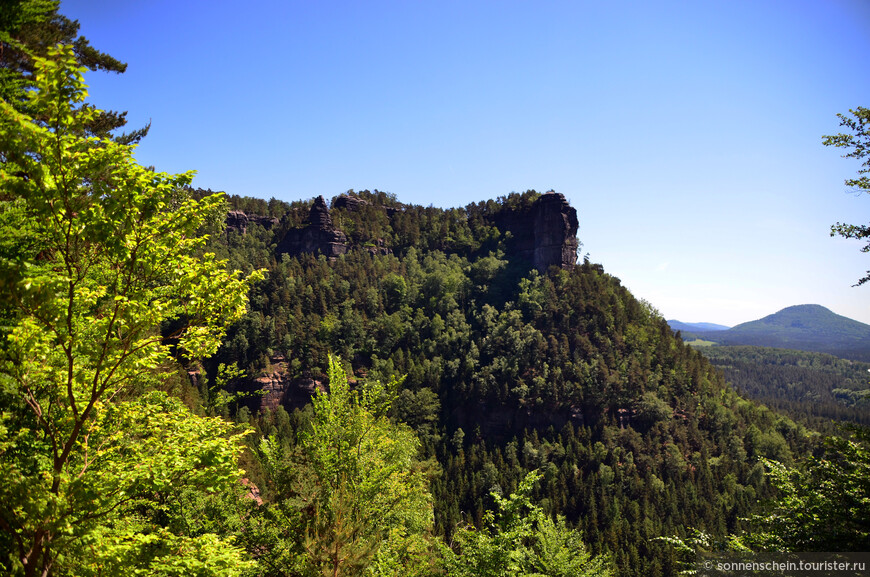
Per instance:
x=278, y=389
x=238, y=220
x=318, y=236
x=544, y=234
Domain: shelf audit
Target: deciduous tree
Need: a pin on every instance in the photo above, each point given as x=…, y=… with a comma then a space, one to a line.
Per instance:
x=857, y=142
x=96, y=255
x=519, y=539
x=354, y=499
x=824, y=505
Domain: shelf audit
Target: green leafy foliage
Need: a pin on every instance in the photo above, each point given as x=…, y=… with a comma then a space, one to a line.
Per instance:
x=105, y=281
x=697, y=545
x=857, y=142
x=824, y=505
x=353, y=498
x=97, y=254
x=518, y=539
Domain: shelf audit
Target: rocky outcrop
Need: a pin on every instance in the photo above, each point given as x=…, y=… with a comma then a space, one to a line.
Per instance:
x=349, y=202
x=544, y=234
x=238, y=220
x=318, y=236
x=276, y=388
x=555, y=232
x=379, y=246
x=252, y=492
x=353, y=203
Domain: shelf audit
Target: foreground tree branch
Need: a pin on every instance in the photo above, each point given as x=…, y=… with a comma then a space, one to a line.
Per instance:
x=93, y=260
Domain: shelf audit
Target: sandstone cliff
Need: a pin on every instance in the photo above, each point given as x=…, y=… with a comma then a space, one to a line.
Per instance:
x=239, y=221
x=544, y=234
x=279, y=389
x=318, y=236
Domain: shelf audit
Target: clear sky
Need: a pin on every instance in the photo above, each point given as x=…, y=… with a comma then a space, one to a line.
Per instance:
x=686, y=133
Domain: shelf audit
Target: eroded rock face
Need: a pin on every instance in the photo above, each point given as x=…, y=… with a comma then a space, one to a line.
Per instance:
x=349, y=202
x=544, y=234
x=280, y=390
x=318, y=236
x=239, y=220
x=379, y=247
x=555, y=232
x=252, y=491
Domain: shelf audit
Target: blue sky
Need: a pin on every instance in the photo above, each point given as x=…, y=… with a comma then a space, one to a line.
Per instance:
x=686, y=134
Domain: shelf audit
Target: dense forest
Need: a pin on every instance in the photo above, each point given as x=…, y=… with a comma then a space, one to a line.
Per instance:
x=507, y=370
x=194, y=384
x=816, y=388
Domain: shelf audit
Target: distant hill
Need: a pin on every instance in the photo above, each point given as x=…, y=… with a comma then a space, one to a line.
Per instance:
x=802, y=327
x=695, y=327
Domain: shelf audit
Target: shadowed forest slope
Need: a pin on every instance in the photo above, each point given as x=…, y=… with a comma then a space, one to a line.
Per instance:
x=508, y=368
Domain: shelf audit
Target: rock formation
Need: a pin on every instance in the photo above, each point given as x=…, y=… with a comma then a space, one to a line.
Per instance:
x=379, y=247
x=253, y=492
x=238, y=220
x=544, y=234
x=278, y=389
x=318, y=236
x=349, y=202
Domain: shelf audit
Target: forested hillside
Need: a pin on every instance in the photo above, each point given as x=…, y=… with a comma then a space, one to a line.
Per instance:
x=803, y=327
x=507, y=370
x=818, y=388
x=196, y=385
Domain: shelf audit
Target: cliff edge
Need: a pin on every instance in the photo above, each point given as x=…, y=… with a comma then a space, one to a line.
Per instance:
x=544, y=234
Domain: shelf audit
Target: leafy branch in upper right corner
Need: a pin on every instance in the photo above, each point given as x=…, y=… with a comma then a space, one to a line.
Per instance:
x=858, y=143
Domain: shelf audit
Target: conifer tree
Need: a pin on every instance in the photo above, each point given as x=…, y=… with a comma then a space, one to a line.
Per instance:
x=29, y=29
